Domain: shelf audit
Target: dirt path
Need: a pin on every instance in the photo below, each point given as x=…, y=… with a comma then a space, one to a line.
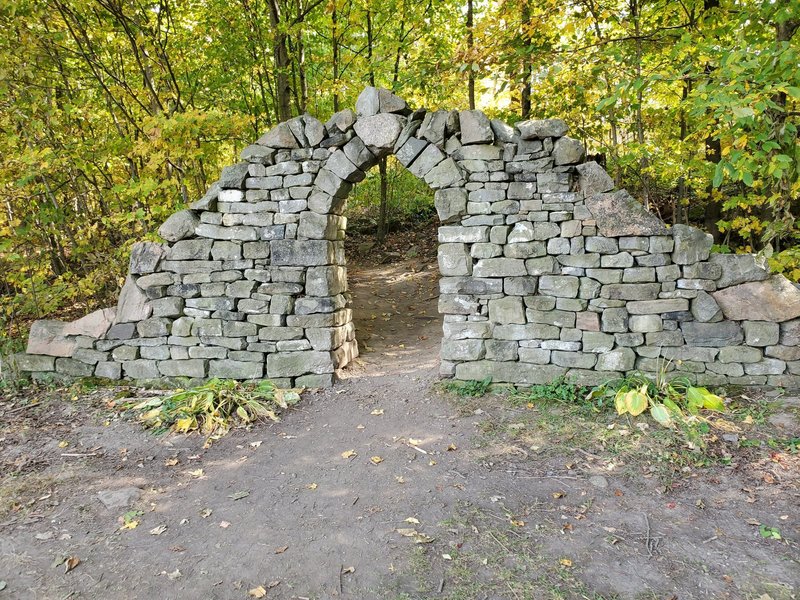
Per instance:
x=280, y=506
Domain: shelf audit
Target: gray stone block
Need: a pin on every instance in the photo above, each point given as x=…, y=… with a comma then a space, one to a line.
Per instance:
x=506, y=310
x=725, y=333
x=235, y=369
x=183, y=368
x=461, y=350
x=108, y=370
x=302, y=253
x=179, y=226
x=559, y=286
x=141, y=369
x=621, y=359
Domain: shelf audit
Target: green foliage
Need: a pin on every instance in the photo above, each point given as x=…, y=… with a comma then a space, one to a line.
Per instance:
x=561, y=390
x=216, y=406
x=470, y=389
x=769, y=533
x=114, y=115
x=673, y=403
x=410, y=200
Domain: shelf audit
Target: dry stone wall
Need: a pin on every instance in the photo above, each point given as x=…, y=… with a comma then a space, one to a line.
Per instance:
x=546, y=270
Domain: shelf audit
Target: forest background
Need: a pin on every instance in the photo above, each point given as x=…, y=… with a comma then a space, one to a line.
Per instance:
x=116, y=113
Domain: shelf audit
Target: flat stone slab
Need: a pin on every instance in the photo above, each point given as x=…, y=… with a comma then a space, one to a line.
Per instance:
x=618, y=214
x=95, y=324
x=47, y=337
x=132, y=305
x=774, y=299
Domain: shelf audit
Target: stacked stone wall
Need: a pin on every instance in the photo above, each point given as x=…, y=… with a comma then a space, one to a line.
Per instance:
x=546, y=270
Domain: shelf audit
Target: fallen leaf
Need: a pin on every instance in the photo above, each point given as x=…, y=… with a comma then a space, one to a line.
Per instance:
x=452, y=448
x=176, y=574
x=414, y=442
x=359, y=426
x=63, y=444
x=224, y=524
x=349, y=454
x=281, y=550
x=206, y=512
x=431, y=463
x=753, y=522
x=312, y=486
x=133, y=524
x=346, y=570
x=399, y=479
x=567, y=527
x=177, y=548
x=619, y=493
x=44, y=536
x=239, y=495
x=3, y=585
x=171, y=462
x=272, y=584
x=768, y=478
x=412, y=520
x=447, y=557
x=418, y=537
x=517, y=523
x=558, y=494
x=376, y=460
x=255, y=444
x=377, y=412
x=197, y=473
x=71, y=563
x=158, y=530
x=258, y=592
x=565, y=562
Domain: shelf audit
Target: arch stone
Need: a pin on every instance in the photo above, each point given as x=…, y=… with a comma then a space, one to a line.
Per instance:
x=546, y=269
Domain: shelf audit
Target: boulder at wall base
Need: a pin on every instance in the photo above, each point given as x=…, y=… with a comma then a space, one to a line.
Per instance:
x=774, y=299
x=47, y=337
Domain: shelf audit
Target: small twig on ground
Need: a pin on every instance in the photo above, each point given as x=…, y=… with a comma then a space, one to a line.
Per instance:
x=78, y=454
x=21, y=408
x=441, y=585
x=499, y=543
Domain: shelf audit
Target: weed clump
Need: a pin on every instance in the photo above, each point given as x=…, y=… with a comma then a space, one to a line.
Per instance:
x=214, y=407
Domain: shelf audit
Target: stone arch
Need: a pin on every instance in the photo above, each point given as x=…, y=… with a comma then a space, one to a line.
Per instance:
x=546, y=270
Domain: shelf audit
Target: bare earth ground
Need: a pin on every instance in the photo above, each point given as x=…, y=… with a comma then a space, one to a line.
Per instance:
x=507, y=500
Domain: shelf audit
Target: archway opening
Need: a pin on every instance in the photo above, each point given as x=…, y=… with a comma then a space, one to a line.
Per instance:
x=393, y=277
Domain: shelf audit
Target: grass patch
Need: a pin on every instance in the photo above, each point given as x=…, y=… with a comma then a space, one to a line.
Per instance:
x=490, y=555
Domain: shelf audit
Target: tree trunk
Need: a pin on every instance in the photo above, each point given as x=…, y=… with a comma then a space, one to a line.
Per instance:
x=470, y=47
x=283, y=88
x=527, y=69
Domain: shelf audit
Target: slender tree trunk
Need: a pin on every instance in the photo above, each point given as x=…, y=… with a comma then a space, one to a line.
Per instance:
x=384, y=198
x=335, y=57
x=679, y=205
x=644, y=162
x=283, y=88
x=470, y=58
x=527, y=69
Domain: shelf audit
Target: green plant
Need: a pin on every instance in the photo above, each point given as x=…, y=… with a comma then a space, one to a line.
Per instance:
x=469, y=388
x=215, y=406
x=770, y=533
x=560, y=390
x=672, y=402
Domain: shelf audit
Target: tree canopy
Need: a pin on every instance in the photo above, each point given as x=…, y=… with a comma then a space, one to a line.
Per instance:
x=115, y=113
